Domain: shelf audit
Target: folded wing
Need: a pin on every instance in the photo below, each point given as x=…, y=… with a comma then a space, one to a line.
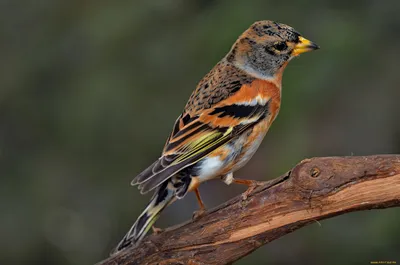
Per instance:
x=210, y=120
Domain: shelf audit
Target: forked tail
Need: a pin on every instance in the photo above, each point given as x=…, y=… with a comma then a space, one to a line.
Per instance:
x=163, y=196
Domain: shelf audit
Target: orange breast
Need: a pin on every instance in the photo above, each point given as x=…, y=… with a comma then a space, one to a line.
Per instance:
x=249, y=142
x=259, y=89
x=270, y=91
x=264, y=88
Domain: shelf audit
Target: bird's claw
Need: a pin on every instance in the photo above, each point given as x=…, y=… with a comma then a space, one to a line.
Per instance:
x=251, y=188
x=156, y=230
x=198, y=214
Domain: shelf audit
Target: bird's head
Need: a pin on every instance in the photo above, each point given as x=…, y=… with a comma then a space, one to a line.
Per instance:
x=266, y=47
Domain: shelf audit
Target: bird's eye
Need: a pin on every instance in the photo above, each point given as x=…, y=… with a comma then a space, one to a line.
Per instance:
x=280, y=46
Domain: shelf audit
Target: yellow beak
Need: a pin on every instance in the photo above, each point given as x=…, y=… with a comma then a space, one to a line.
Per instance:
x=304, y=46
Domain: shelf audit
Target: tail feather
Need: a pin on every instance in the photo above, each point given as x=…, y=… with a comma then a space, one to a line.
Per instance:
x=161, y=199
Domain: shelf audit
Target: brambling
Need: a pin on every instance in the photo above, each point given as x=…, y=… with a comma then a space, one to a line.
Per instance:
x=223, y=123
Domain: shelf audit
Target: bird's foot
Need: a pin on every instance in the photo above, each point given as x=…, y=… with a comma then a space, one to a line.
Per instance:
x=156, y=230
x=202, y=210
x=198, y=214
x=253, y=184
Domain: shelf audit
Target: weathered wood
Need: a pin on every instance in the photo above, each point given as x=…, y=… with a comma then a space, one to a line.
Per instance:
x=315, y=189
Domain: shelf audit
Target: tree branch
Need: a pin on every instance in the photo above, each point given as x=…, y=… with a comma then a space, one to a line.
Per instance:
x=313, y=190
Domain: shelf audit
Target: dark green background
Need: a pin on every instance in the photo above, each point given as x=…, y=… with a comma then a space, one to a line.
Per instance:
x=89, y=91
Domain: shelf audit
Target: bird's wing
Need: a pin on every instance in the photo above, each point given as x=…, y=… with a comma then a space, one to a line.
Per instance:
x=202, y=128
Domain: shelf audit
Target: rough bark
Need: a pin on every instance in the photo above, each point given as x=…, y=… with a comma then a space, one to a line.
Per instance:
x=313, y=190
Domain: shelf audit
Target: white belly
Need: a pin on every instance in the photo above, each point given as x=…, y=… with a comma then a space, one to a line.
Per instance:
x=248, y=153
x=215, y=166
x=235, y=155
x=210, y=166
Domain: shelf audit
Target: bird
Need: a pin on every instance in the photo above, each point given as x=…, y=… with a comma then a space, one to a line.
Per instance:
x=223, y=123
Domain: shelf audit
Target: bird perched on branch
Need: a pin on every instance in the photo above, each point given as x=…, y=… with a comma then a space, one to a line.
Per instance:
x=223, y=123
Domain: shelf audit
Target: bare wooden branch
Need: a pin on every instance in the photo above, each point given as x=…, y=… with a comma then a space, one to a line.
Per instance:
x=315, y=189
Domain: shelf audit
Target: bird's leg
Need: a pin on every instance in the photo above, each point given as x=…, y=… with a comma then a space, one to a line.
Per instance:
x=202, y=209
x=251, y=184
x=156, y=230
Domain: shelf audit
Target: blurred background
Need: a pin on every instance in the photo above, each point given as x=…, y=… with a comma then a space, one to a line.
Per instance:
x=89, y=91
